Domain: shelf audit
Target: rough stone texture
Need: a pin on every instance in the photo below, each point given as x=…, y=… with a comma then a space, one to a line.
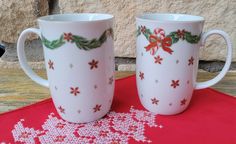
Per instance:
x=126, y=67
x=33, y=49
x=18, y=15
x=219, y=14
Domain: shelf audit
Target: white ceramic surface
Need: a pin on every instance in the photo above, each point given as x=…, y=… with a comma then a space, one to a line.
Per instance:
x=79, y=59
x=167, y=60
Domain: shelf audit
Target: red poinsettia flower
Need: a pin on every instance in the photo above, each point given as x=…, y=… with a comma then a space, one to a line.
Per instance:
x=68, y=36
x=143, y=29
x=180, y=33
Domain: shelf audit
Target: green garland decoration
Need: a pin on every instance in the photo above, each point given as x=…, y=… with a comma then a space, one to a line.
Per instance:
x=175, y=36
x=81, y=42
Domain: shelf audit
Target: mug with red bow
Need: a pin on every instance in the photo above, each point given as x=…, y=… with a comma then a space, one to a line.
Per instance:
x=167, y=60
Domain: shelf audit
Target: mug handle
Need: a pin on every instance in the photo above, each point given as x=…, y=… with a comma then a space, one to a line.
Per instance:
x=201, y=85
x=22, y=57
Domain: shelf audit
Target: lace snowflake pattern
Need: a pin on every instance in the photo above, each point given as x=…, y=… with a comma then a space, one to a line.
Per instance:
x=113, y=128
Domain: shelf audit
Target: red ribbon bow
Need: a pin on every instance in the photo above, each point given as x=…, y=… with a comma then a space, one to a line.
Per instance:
x=165, y=44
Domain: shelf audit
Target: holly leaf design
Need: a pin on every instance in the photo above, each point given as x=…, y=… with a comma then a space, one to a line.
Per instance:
x=192, y=38
x=54, y=43
x=81, y=42
x=174, y=37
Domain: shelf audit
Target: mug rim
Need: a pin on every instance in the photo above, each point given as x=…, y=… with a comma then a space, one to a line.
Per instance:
x=169, y=18
x=76, y=17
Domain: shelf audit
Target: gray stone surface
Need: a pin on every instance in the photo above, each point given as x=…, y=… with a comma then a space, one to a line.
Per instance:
x=16, y=16
x=218, y=14
x=33, y=49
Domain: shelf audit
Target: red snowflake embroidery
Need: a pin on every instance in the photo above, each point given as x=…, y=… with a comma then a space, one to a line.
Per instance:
x=59, y=139
x=74, y=91
x=98, y=124
x=115, y=141
x=97, y=108
x=24, y=135
x=141, y=75
x=61, y=109
x=158, y=59
x=50, y=65
x=183, y=102
x=103, y=133
x=93, y=64
x=190, y=61
x=68, y=36
x=110, y=80
x=121, y=118
x=60, y=125
x=180, y=33
x=155, y=101
x=133, y=128
x=175, y=83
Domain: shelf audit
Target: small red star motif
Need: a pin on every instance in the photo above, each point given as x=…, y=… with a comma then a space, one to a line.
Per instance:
x=24, y=135
x=50, y=64
x=183, y=102
x=133, y=128
x=103, y=133
x=59, y=138
x=175, y=83
x=110, y=80
x=68, y=36
x=60, y=125
x=97, y=108
x=74, y=91
x=95, y=86
x=93, y=64
x=155, y=101
x=141, y=75
x=158, y=59
x=190, y=61
x=62, y=110
x=188, y=82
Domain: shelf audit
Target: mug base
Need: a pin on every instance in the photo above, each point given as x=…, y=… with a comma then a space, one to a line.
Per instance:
x=84, y=121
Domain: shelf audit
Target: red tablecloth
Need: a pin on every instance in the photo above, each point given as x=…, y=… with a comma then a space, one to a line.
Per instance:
x=210, y=119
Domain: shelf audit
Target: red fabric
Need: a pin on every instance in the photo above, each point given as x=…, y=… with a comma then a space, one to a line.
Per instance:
x=210, y=117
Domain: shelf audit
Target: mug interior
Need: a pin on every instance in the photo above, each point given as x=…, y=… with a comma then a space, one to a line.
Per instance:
x=170, y=17
x=76, y=17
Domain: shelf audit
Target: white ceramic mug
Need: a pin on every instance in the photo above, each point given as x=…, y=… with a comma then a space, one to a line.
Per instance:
x=79, y=59
x=167, y=60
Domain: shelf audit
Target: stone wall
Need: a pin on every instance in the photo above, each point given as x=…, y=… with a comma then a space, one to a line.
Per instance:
x=18, y=15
